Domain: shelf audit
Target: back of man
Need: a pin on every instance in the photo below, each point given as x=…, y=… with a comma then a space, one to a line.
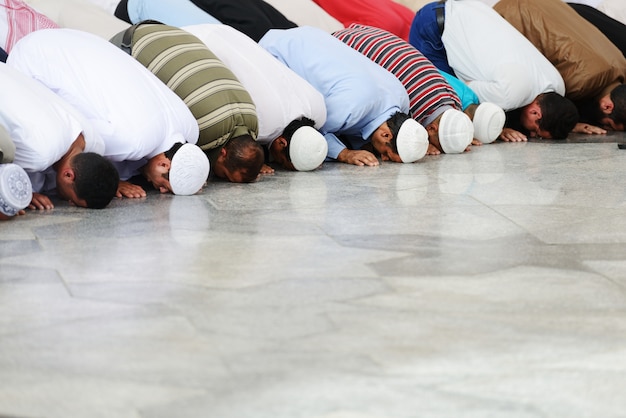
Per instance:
x=220, y=104
x=497, y=62
x=385, y=14
x=590, y=64
x=41, y=125
x=280, y=94
x=136, y=115
x=429, y=93
x=171, y=12
x=359, y=94
x=252, y=17
x=611, y=28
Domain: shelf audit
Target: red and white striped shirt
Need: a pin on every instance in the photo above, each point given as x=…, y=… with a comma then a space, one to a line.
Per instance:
x=18, y=20
x=428, y=90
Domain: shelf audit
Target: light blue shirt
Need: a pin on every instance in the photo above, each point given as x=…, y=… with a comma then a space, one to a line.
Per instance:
x=171, y=12
x=465, y=93
x=359, y=94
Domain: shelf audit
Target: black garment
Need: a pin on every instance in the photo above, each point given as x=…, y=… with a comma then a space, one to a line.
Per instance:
x=513, y=121
x=589, y=112
x=3, y=55
x=352, y=142
x=252, y=17
x=121, y=11
x=611, y=28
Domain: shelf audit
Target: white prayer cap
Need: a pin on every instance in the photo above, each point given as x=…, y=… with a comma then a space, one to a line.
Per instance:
x=412, y=141
x=307, y=148
x=16, y=190
x=455, y=131
x=489, y=121
x=189, y=170
x=7, y=147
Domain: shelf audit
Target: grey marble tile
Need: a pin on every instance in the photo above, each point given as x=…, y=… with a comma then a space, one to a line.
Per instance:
x=220, y=260
x=517, y=290
x=159, y=351
x=563, y=224
x=334, y=395
x=34, y=299
x=485, y=284
x=585, y=396
x=64, y=395
x=614, y=268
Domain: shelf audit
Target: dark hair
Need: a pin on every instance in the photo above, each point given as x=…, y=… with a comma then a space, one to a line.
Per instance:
x=558, y=114
x=293, y=126
x=618, y=97
x=169, y=154
x=296, y=124
x=244, y=155
x=95, y=179
x=395, y=122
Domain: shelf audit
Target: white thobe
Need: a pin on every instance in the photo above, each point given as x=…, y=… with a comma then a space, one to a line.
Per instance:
x=493, y=58
x=280, y=95
x=41, y=125
x=134, y=112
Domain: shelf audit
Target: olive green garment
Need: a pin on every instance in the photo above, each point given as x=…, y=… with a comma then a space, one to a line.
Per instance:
x=218, y=101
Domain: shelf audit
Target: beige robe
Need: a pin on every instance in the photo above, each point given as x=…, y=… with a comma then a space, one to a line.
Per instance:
x=80, y=15
x=414, y=5
x=589, y=63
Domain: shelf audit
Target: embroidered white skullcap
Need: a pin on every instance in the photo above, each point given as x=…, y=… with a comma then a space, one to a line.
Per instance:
x=307, y=149
x=412, y=141
x=489, y=121
x=189, y=170
x=16, y=190
x=456, y=131
x=7, y=147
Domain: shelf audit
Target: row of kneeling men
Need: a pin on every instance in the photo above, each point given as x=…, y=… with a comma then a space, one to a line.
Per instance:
x=177, y=104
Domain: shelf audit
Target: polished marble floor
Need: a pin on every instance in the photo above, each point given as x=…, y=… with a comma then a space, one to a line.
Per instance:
x=489, y=284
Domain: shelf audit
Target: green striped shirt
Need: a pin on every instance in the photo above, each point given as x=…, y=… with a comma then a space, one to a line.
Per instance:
x=218, y=101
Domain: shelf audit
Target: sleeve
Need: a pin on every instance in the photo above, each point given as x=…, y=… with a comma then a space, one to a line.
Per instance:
x=335, y=146
x=128, y=169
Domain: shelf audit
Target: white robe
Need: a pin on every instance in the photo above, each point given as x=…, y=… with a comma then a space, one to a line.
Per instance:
x=136, y=115
x=280, y=95
x=493, y=58
x=41, y=125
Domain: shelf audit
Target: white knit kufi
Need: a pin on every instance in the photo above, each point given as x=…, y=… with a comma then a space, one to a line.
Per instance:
x=412, y=141
x=456, y=131
x=16, y=190
x=189, y=170
x=307, y=149
x=489, y=121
